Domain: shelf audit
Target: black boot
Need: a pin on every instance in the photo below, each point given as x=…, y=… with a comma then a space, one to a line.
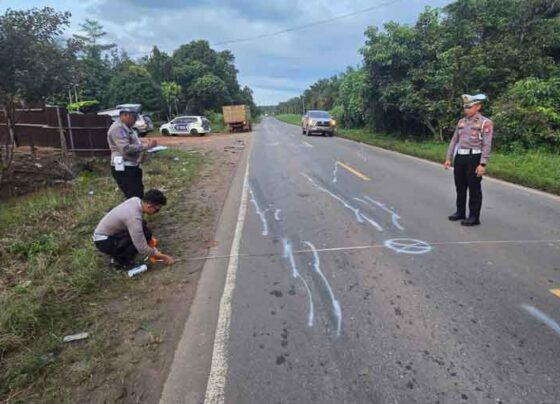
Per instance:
x=471, y=221
x=457, y=216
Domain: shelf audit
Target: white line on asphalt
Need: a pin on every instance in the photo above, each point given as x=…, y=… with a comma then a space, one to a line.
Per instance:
x=289, y=255
x=360, y=217
x=215, y=389
x=379, y=246
x=307, y=144
x=277, y=214
x=543, y=317
x=394, y=216
x=260, y=213
x=335, y=303
x=335, y=172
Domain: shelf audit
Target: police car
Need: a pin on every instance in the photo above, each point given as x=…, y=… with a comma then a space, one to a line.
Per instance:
x=186, y=125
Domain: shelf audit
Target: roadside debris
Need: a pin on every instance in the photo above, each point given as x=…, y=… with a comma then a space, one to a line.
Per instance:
x=138, y=270
x=76, y=337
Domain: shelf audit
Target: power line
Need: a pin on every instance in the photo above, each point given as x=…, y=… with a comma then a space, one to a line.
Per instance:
x=295, y=28
x=313, y=24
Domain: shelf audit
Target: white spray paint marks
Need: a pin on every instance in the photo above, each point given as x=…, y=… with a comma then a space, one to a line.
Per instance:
x=360, y=217
x=335, y=172
x=361, y=152
x=337, y=312
x=273, y=144
x=408, y=246
x=260, y=213
x=289, y=255
x=277, y=214
x=394, y=216
x=543, y=317
x=307, y=144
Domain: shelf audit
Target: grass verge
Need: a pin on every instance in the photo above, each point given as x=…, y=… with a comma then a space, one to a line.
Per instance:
x=534, y=168
x=52, y=278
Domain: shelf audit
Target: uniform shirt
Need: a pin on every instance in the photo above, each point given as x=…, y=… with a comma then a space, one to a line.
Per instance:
x=124, y=142
x=126, y=217
x=473, y=133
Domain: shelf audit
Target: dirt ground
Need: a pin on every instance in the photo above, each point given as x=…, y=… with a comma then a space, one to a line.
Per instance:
x=144, y=326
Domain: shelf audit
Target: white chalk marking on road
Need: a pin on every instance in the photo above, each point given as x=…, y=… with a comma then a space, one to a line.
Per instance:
x=289, y=255
x=360, y=217
x=273, y=144
x=543, y=317
x=394, y=216
x=260, y=213
x=378, y=246
x=335, y=172
x=215, y=388
x=277, y=214
x=335, y=303
x=408, y=246
x=307, y=144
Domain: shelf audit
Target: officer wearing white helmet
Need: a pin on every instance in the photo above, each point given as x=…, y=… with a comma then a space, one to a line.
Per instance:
x=127, y=154
x=470, y=148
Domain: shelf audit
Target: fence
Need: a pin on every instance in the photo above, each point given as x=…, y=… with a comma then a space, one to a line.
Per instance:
x=41, y=127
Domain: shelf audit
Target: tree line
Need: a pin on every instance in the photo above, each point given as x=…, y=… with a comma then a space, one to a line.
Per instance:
x=412, y=76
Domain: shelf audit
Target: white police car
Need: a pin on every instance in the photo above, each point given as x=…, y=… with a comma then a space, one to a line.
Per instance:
x=186, y=125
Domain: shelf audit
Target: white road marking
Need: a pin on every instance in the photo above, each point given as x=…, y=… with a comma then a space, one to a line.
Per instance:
x=307, y=144
x=289, y=255
x=260, y=213
x=277, y=214
x=215, y=389
x=394, y=216
x=360, y=217
x=335, y=303
x=408, y=246
x=335, y=172
x=542, y=317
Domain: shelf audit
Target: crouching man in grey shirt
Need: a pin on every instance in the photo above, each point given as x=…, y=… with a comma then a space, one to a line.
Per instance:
x=123, y=233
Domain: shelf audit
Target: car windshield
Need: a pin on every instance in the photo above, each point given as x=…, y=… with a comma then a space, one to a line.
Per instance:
x=319, y=114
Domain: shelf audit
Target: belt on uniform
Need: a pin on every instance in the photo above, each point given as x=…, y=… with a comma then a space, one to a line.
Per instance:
x=99, y=237
x=466, y=152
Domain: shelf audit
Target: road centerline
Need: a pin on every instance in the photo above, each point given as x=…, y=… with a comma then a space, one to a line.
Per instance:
x=353, y=171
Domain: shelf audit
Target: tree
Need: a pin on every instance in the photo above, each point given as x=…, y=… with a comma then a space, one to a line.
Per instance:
x=133, y=84
x=33, y=65
x=171, y=92
x=94, y=71
x=208, y=93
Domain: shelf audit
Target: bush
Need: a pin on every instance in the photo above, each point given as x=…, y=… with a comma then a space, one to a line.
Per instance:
x=527, y=116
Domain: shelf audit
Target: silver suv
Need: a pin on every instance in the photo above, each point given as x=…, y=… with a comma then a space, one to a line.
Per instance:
x=318, y=122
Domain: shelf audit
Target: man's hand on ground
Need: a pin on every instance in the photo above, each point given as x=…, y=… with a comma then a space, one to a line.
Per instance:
x=152, y=143
x=167, y=260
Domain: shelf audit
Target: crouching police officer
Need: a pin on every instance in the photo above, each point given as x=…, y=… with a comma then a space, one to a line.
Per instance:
x=127, y=154
x=471, y=145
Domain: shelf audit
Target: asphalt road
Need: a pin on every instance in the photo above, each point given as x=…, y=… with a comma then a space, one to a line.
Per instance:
x=353, y=287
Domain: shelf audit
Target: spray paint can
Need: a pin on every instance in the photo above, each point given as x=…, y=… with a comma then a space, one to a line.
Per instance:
x=138, y=270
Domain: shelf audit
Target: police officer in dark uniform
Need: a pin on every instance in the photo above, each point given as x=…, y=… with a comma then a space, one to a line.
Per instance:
x=470, y=146
x=127, y=154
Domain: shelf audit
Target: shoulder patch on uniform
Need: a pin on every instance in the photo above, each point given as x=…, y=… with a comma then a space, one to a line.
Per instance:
x=488, y=126
x=123, y=133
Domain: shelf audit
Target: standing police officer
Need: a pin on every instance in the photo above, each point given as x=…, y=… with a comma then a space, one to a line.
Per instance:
x=471, y=145
x=127, y=153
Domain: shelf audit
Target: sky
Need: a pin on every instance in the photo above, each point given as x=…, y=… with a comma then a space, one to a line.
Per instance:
x=277, y=67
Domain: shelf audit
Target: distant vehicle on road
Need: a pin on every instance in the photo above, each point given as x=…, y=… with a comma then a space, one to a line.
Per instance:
x=318, y=122
x=237, y=118
x=143, y=125
x=186, y=125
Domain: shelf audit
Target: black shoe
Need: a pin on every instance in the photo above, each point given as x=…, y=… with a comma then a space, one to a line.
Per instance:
x=456, y=216
x=471, y=221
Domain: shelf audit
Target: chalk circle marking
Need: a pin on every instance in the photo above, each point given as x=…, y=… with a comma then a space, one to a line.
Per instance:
x=408, y=246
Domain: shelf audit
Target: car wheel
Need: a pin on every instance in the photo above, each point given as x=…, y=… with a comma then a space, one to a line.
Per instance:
x=194, y=132
x=165, y=132
x=302, y=130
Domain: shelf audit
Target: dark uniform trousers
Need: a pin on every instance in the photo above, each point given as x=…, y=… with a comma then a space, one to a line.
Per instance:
x=120, y=246
x=466, y=178
x=129, y=181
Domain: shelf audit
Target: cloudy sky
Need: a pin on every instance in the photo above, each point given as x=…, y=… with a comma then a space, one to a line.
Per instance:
x=275, y=67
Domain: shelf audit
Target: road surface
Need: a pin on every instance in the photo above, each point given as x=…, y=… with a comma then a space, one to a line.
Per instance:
x=349, y=285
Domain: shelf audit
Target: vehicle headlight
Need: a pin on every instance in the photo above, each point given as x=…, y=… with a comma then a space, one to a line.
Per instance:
x=333, y=122
x=311, y=122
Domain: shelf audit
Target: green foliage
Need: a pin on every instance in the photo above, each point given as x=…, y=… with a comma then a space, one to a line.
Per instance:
x=133, y=84
x=84, y=106
x=208, y=92
x=527, y=114
x=350, y=99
